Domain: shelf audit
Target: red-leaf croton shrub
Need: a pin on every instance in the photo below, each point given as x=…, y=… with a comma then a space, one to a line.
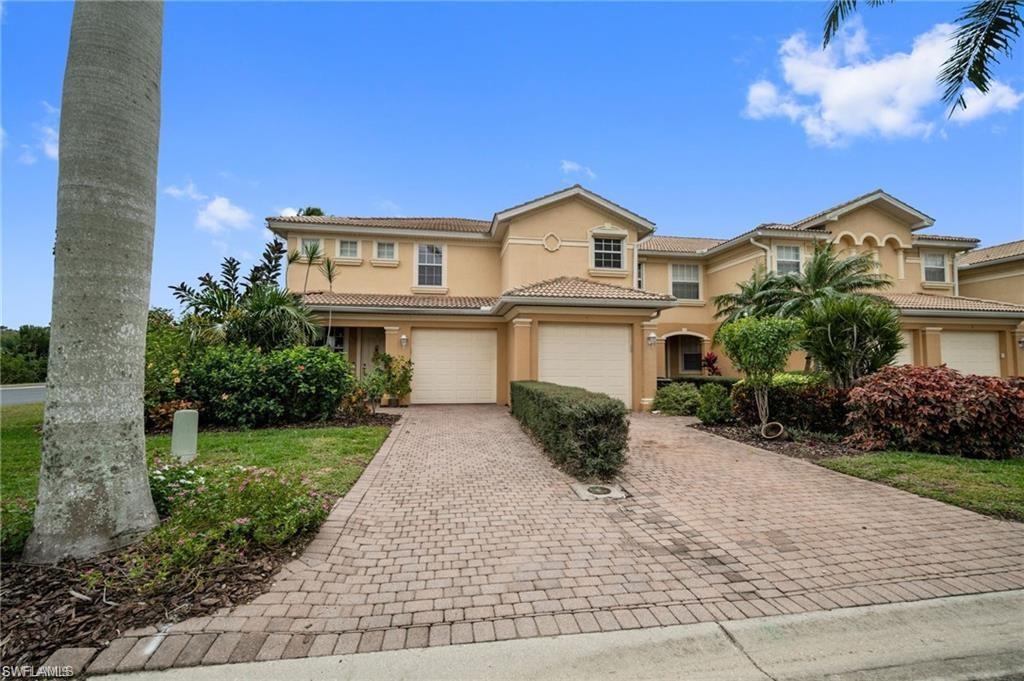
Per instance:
x=939, y=410
x=804, y=401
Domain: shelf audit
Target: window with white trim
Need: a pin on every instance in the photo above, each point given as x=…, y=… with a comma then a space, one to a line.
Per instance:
x=686, y=281
x=429, y=265
x=385, y=250
x=935, y=267
x=640, y=275
x=787, y=259
x=348, y=248
x=310, y=246
x=607, y=253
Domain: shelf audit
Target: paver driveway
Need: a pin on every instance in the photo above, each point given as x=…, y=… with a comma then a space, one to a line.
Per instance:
x=460, y=530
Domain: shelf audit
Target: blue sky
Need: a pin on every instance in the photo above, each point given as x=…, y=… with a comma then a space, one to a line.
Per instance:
x=707, y=119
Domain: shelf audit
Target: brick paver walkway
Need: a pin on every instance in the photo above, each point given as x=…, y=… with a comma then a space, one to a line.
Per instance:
x=460, y=531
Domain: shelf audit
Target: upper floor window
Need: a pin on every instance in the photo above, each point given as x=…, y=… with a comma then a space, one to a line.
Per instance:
x=385, y=250
x=348, y=249
x=429, y=265
x=787, y=259
x=310, y=247
x=608, y=253
x=640, y=275
x=686, y=282
x=935, y=267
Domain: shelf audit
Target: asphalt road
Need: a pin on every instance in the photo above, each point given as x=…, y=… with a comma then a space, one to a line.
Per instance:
x=22, y=394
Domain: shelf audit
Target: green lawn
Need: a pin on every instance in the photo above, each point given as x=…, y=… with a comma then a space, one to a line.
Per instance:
x=331, y=458
x=991, y=487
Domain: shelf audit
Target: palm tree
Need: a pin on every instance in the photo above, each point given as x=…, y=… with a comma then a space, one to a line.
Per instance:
x=253, y=311
x=851, y=336
x=310, y=252
x=93, y=485
x=330, y=272
x=759, y=296
x=827, y=275
x=985, y=31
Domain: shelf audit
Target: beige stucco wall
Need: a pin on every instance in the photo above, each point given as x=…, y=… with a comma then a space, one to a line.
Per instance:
x=1003, y=282
x=530, y=253
x=471, y=267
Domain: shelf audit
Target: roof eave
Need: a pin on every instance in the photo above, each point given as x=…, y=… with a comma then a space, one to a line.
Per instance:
x=280, y=228
x=1005, y=314
x=378, y=309
x=922, y=220
x=506, y=302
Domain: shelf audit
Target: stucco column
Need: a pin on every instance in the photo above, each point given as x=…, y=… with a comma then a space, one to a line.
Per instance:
x=522, y=341
x=649, y=382
x=1017, y=351
x=705, y=348
x=931, y=346
x=662, y=361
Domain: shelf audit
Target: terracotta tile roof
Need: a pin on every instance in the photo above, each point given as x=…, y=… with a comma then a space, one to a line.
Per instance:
x=576, y=287
x=678, y=244
x=397, y=301
x=944, y=237
x=927, y=301
x=565, y=189
x=427, y=224
x=997, y=252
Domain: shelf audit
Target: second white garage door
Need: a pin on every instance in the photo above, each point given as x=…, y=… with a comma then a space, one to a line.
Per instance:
x=972, y=352
x=591, y=356
x=454, y=366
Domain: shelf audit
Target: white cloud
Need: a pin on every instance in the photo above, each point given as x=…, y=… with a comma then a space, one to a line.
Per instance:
x=287, y=212
x=188, y=191
x=571, y=167
x=47, y=137
x=999, y=98
x=27, y=156
x=220, y=214
x=842, y=93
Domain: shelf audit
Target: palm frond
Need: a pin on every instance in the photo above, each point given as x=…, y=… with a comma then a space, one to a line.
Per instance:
x=838, y=12
x=986, y=30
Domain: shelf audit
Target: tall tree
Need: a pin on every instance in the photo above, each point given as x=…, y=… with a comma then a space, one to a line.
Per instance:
x=93, y=486
x=986, y=30
x=759, y=296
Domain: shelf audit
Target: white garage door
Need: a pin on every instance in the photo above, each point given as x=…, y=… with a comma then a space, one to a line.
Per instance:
x=590, y=356
x=454, y=366
x=972, y=352
x=906, y=355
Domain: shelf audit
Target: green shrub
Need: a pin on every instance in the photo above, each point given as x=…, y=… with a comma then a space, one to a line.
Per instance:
x=677, y=399
x=167, y=355
x=851, y=336
x=239, y=386
x=726, y=381
x=24, y=353
x=801, y=401
x=585, y=433
x=15, y=527
x=715, y=405
x=760, y=348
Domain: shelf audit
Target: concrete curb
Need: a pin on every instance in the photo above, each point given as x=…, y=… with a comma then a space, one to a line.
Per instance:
x=948, y=639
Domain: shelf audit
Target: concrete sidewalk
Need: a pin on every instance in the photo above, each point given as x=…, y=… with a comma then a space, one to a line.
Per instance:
x=961, y=637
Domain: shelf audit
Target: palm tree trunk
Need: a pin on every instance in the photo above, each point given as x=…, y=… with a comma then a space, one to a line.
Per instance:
x=93, y=485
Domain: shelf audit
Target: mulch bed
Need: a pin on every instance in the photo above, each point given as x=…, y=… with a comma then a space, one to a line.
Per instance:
x=807, y=447
x=46, y=607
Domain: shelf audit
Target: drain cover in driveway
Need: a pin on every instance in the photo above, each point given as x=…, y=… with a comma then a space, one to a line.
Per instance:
x=590, y=492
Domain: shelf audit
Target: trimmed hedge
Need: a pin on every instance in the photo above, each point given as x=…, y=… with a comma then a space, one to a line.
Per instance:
x=715, y=405
x=938, y=410
x=584, y=433
x=804, y=401
x=727, y=381
x=677, y=399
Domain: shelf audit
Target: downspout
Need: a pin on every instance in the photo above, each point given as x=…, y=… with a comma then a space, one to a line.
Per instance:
x=956, y=273
x=767, y=253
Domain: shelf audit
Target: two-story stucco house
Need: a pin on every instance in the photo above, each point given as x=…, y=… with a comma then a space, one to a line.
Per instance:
x=996, y=272
x=573, y=288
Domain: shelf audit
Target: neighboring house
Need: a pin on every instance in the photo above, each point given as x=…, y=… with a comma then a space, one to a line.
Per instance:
x=575, y=289
x=995, y=273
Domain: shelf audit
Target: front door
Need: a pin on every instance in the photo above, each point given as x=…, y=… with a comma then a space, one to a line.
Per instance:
x=371, y=343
